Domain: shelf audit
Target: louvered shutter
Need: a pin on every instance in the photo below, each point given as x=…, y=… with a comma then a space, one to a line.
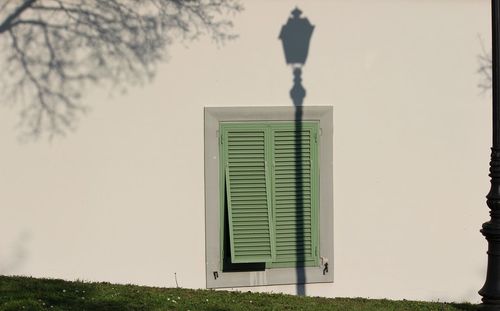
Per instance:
x=248, y=195
x=294, y=153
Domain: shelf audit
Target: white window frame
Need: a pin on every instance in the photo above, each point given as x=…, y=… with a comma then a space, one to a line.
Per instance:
x=215, y=277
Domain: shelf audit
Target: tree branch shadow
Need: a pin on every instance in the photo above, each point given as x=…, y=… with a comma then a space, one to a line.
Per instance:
x=55, y=50
x=485, y=67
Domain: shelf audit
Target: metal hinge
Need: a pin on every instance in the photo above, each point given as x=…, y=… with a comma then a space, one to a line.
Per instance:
x=324, y=263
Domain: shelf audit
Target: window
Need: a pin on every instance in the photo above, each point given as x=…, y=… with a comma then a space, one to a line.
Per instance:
x=268, y=207
x=270, y=191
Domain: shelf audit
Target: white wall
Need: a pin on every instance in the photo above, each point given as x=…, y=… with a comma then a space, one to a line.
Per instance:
x=121, y=199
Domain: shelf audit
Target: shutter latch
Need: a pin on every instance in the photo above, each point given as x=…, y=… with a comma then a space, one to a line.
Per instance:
x=216, y=275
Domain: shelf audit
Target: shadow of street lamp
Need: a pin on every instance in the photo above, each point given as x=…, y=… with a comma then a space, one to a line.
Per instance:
x=295, y=37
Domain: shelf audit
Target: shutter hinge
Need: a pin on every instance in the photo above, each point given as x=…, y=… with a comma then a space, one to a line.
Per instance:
x=324, y=263
x=220, y=137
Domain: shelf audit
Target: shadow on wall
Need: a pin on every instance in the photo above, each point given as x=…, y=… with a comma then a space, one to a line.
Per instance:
x=295, y=36
x=53, y=51
x=485, y=67
x=12, y=261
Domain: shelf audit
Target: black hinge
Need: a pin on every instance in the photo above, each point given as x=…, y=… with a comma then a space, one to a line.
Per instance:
x=325, y=270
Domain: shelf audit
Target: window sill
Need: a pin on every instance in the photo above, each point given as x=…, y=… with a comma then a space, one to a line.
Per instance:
x=275, y=276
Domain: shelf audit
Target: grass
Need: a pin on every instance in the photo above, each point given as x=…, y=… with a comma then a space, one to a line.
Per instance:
x=25, y=293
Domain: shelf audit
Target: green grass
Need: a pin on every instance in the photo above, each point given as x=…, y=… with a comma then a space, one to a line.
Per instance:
x=24, y=293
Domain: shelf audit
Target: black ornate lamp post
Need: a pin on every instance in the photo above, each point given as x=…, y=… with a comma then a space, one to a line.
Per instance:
x=491, y=229
x=295, y=36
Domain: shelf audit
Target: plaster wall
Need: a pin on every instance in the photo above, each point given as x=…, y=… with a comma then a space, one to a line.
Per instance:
x=122, y=198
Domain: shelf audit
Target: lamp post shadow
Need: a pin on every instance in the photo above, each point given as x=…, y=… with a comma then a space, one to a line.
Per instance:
x=297, y=93
x=295, y=36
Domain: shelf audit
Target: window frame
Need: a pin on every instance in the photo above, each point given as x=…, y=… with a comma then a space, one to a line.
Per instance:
x=215, y=278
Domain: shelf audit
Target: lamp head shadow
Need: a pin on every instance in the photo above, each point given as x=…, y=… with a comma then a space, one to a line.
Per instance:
x=295, y=37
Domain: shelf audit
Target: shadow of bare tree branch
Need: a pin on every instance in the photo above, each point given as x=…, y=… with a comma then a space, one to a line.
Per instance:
x=54, y=49
x=485, y=68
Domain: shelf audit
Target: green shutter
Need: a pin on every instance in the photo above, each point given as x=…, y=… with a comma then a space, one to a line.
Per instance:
x=294, y=152
x=271, y=177
x=248, y=194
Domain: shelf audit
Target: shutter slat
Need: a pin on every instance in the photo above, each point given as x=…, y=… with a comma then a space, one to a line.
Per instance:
x=285, y=238
x=245, y=165
x=243, y=214
x=251, y=221
x=288, y=214
x=254, y=239
x=247, y=173
x=252, y=192
x=304, y=193
x=288, y=185
x=248, y=162
x=249, y=209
